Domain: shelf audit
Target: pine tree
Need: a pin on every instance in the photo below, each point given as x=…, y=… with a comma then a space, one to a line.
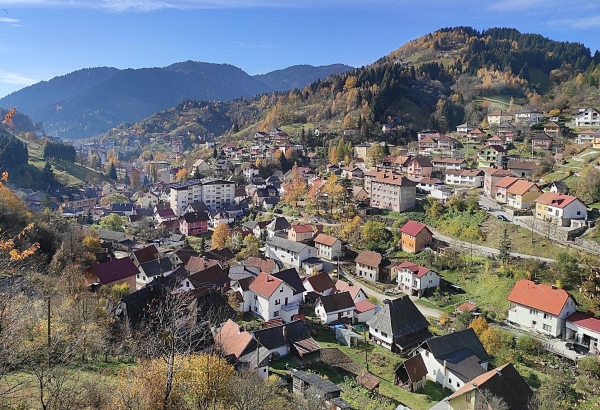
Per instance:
x=505, y=247
x=112, y=172
x=48, y=173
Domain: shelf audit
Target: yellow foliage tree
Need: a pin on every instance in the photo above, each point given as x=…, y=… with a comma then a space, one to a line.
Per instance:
x=490, y=339
x=220, y=236
x=479, y=325
x=182, y=175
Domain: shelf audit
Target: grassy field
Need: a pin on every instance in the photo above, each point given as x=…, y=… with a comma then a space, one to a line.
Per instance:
x=501, y=102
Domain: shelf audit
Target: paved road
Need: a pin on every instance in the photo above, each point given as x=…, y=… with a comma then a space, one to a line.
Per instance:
x=425, y=310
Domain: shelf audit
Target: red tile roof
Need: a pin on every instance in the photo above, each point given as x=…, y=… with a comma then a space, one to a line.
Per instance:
x=325, y=239
x=320, y=282
x=265, y=285
x=588, y=321
x=363, y=306
x=341, y=286
x=265, y=265
x=506, y=182
x=466, y=306
x=541, y=297
x=556, y=200
x=232, y=340
x=303, y=228
x=417, y=270
x=520, y=187
x=413, y=228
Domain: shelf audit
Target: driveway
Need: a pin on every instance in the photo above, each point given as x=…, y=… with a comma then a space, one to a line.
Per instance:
x=425, y=310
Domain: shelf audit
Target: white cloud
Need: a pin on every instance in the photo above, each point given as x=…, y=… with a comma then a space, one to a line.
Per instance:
x=144, y=6
x=15, y=79
x=8, y=20
x=581, y=23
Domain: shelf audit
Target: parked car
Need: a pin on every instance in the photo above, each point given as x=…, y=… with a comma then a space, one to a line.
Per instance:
x=503, y=218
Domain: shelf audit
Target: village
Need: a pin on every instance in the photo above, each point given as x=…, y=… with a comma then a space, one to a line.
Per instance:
x=315, y=272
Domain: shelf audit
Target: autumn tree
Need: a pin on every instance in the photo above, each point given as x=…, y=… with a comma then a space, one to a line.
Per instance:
x=295, y=191
x=375, y=236
x=247, y=391
x=375, y=155
x=220, y=236
x=182, y=175
x=479, y=325
x=113, y=222
x=588, y=184
x=114, y=198
x=136, y=180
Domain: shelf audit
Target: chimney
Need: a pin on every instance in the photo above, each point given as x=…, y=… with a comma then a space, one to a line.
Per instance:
x=268, y=278
x=536, y=282
x=554, y=287
x=240, y=330
x=445, y=365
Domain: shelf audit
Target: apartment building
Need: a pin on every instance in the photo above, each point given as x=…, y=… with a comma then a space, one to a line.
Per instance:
x=390, y=190
x=215, y=193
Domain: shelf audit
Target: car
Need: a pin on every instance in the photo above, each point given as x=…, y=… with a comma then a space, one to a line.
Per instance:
x=570, y=346
x=503, y=218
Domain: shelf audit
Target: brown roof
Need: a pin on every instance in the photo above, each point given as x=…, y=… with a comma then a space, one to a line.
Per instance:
x=546, y=198
x=449, y=160
x=369, y=258
x=552, y=125
x=503, y=382
x=506, y=182
x=417, y=270
x=476, y=131
x=303, y=228
x=520, y=187
x=422, y=161
x=147, y=254
x=466, y=306
x=320, y=282
x=265, y=284
x=498, y=172
x=325, y=239
x=521, y=164
x=368, y=381
x=112, y=271
x=389, y=177
x=265, y=265
x=541, y=297
x=199, y=263
x=337, y=301
x=232, y=340
x=415, y=368
x=496, y=113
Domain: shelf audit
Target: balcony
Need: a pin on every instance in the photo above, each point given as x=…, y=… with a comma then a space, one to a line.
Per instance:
x=290, y=307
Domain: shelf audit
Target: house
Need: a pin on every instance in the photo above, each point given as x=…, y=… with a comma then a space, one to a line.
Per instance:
x=584, y=329
x=560, y=209
x=427, y=144
x=411, y=375
x=291, y=277
x=357, y=293
x=399, y=326
x=445, y=143
x=224, y=256
x=352, y=172
x=467, y=307
x=585, y=137
x=151, y=270
x=498, y=116
x=414, y=280
x=559, y=187
x=363, y=311
x=114, y=272
x=522, y=169
x=389, y=190
x=495, y=140
x=448, y=164
x=236, y=346
x=502, y=188
x=492, y=177
x=541, y=308
x=145, y=254
x=464, y=128
x=278, y=225
x=271, y=298
x=301, y=233
x=195, y=223
x=491, y=156
x=334, y=308
x=503, y=382
x=249, y=170
x=541, y=142
x=328, y=247
x=148, y=200
x=359, y=194
x=293, y=337
x=552, y=129
x=367, y=265
x=426, y=185
x=320, y=284
x=528, y=117
x=164, y=215
x=475, y=135
x=472, y=178
x=288, y=252
x=420, y=167
x=588, y=118
x=415, y=236
x=122, y=209
x=522, y=194
x=455, y=359
x=213, y=278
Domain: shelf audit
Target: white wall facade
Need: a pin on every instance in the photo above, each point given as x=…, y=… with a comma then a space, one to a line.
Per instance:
x=536, y=320
x=385, y=340
x=290, y=258
x=270, y=308
x=328, y=317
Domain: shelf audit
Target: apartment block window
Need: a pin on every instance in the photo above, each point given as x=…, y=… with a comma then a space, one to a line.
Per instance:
x=533, y=312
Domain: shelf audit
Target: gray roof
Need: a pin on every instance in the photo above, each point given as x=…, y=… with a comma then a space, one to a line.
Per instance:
x=337, y=301
x=157, y=267
x=240, y=271
x=250, y=358
x=466, y=366
x=444, y=347
x=399, y=317
x=316, y=382
x=279, y=224
x=111, y=235
x=295, y=247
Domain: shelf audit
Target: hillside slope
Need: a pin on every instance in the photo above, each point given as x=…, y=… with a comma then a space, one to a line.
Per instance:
x=298, y=76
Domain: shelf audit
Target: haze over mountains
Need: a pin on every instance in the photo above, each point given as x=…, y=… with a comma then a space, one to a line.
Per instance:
x=93, y=100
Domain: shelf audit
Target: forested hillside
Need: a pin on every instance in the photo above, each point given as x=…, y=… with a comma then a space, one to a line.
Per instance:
x=298, y=76
x=438, y=81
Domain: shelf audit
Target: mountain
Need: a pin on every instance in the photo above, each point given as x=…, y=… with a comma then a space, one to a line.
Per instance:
x=91, y=101
x=297, y=76
x=438, y=81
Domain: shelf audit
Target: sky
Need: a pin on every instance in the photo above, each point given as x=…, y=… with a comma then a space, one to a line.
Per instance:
x=42, y=39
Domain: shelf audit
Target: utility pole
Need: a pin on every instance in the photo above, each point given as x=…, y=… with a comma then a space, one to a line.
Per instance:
x=366, y=349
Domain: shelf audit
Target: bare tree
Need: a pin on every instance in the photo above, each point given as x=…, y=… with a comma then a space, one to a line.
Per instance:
x=247, y=391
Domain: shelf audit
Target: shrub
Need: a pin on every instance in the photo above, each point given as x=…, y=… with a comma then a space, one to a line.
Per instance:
x=529, y=345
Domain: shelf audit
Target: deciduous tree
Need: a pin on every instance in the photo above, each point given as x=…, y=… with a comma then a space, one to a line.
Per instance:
x=220, y=236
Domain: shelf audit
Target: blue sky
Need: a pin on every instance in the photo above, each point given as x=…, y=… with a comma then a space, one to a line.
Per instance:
x=45, y=38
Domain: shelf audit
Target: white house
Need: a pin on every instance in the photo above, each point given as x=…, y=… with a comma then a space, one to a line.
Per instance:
x=465, y=128
x=588, y=118
x=585, y=137
x=242, y=287
x=148, y=200
x=288, y=252
x=466, y=177
x=217, y=218
x=357, y=293
x=271, y=298
x=250, y=171
x=337, y=307
x=584, y=329
x=321, y=284
x=540, y=308
x=529, y=116
x=454, y=359
x=164, y=215
x=560, y=209
x=414, y=279
x=328, y=247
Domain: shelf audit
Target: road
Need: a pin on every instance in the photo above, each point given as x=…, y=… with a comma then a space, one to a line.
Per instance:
x=425, y=310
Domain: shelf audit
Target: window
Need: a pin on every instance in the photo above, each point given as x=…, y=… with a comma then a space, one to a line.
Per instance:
x=277, y=302
x=383, y=334
x=255, y=297
x=547, y=328
x=533, y=312
x=450, y=381
x=276, y=313
x=468, y=397
x=426, y=353
x=546, y=316
x=281, y=290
